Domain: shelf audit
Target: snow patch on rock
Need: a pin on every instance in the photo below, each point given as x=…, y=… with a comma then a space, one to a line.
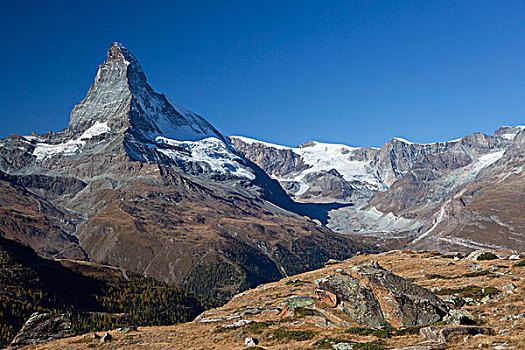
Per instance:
x=325, y=156
x=210, y=151
x=71, y=147
x=485, y=161
x=403, y=140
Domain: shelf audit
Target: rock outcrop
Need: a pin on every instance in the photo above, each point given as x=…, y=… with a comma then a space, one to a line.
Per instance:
x=41, y=328
x=376, y=297
x=443, y=335
x=292, y=314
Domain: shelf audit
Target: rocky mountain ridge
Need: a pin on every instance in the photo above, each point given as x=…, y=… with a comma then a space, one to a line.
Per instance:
x=396, y=194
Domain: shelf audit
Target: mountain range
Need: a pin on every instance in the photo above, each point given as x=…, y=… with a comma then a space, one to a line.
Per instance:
x=459, y=195
x=138, y=182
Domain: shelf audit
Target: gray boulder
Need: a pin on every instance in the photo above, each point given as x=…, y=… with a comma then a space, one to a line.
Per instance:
x=459, y=317
x=106, y=338
x=442, y=335
x=376, y=297
x=250, y=341
x=42, y=327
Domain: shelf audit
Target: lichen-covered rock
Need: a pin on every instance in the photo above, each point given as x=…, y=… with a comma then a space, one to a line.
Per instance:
x=459, y=317
x=442, y=335
x=296, y=302
x=300, y=301
x=42, y=327
x=374, y=296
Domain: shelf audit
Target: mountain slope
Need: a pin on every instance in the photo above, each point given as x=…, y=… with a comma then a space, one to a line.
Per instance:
x=294, y=313
x=138, y=182
x=32, y=219
x=99, y=297
x=488, y=210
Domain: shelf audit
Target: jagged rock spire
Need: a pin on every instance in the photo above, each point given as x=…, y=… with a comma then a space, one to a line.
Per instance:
x=123, y=115
x=121, y=97
x=118, y=54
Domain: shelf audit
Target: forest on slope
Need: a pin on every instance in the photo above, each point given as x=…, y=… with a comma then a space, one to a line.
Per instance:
x=98, y=297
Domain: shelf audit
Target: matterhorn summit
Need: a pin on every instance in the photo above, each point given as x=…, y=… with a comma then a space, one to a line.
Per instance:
x=122, y=113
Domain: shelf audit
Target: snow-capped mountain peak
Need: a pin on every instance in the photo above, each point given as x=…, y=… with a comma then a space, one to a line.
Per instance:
x=150, y=125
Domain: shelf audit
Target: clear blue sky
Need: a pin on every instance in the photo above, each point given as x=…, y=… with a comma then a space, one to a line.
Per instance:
x=353, y=72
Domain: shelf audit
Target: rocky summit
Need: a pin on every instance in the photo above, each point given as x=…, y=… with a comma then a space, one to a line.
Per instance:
x=139, y=182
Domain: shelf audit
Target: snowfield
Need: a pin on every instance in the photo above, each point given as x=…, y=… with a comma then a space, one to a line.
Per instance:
x=324, y=157
x=211, y=151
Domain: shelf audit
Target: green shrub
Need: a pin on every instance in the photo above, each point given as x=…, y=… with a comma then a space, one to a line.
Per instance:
x=466, y=275
x=519, y=263
x=303, y=311
x=360, y=330
x=435, y=276
x=368, y=346
x=407, y=331
x=476, y=274
x=381, y=333
x=293, y=335
x=258, y=327
x=296, y=283
x=470, y=291
x=487, y=256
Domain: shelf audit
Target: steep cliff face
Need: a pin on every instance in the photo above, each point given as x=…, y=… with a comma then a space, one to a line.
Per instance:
x=122, y=116
x=433, y=176
x=139, y=182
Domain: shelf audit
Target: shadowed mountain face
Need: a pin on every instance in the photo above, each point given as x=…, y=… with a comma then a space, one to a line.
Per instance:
x=445, y=196
x=139, y=182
